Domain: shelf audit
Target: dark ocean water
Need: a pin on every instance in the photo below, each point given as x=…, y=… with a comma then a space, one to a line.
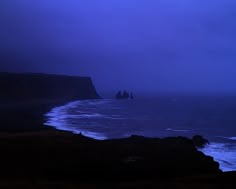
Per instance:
x=212, y=117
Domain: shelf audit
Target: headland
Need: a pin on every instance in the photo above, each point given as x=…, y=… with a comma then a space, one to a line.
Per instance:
x=33, y=155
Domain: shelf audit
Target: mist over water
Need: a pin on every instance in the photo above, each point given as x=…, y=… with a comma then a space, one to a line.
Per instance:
x=211, y=117
x=150, y=47
x=144, y=46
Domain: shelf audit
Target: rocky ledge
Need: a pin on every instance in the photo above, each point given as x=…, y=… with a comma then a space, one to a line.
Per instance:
x=61, y=156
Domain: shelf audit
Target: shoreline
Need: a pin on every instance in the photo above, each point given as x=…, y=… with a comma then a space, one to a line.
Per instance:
x=106, y=163
x=19, y=117
x=34, y=123
x=215, y=149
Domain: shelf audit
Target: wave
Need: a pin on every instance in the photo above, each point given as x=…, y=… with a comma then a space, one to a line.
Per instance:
x=223, y=153
x=103, y=119
x=177, y=130
x=232, y=138
x=227, y=138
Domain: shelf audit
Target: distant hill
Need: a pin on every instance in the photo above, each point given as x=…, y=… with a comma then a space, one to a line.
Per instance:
x=36, y=86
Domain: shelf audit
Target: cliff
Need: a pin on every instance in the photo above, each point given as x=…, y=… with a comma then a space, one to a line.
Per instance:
x=31, y=87
x=25, y=98
x=50, y=158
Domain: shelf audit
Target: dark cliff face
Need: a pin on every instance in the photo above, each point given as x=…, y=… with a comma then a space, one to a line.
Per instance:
x=29, y=87
x=25, y=98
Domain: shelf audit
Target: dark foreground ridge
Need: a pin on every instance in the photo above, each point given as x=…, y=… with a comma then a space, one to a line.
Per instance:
x=64, y=156
x=55, y=159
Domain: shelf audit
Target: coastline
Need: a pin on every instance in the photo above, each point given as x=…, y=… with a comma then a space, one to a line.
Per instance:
x=64, y=118
x=42, y=145
x=34, y=155
x=26, y=116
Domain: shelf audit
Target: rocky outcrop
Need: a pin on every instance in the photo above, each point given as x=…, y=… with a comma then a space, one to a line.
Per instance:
x=59, y=155
x=125, y=95
x=32, y=87
x=199, y=141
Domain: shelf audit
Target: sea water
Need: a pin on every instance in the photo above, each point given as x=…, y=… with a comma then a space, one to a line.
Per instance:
x=212, y=117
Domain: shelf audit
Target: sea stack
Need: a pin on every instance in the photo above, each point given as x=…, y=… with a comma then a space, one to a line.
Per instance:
x=124, y=95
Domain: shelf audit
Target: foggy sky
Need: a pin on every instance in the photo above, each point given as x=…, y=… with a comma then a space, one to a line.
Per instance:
x=139, y=45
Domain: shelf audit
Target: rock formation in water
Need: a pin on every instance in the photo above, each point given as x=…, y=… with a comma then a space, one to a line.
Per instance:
x=124, y=95
x=131, y=96
x=31, y=87
x=119, y=95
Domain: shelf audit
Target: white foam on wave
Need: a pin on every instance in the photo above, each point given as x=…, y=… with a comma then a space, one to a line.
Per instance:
x=60, y=125
x=232, y=138
x=94, y=115
x=177, y=130
x=228, y=138
x=115, y=118
x=97, y=118
x=94, y=135
x=58, y=116
x=223, y=153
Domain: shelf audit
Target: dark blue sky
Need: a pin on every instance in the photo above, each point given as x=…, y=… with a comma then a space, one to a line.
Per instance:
x=142, y=45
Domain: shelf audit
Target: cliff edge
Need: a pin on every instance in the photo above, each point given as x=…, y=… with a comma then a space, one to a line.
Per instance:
x=28, y=87
x=25, y=98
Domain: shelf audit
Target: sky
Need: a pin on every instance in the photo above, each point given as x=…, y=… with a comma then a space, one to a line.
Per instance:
x=152, y=46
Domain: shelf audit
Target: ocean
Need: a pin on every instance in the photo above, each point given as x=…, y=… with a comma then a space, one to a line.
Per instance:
x=212, y=117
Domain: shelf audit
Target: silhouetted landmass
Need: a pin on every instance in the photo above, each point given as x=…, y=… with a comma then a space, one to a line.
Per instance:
x=199, y=141
x=25, y=98
x=119, y=95
x=60, y=159
x=64, y=156
x=32, y=87
x=36, y=156
x=131, y=96
x=124, y=95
